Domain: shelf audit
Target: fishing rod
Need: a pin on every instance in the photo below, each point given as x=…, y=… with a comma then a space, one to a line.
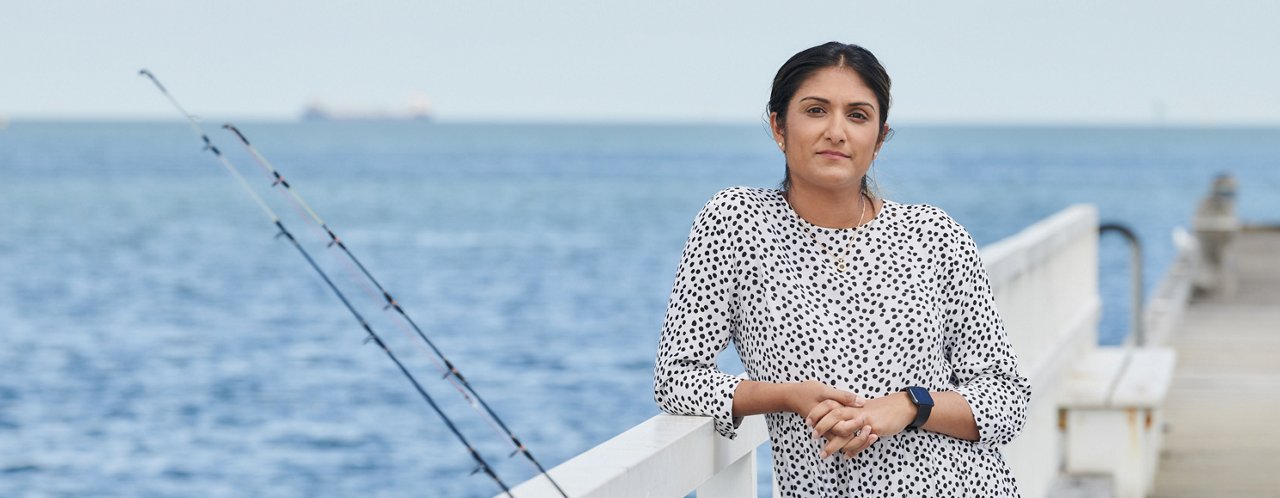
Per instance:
x=450, y=371
x=481, y=465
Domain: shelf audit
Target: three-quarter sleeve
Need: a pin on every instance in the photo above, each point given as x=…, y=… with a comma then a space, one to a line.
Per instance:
x=701, y=319
x=984, y=365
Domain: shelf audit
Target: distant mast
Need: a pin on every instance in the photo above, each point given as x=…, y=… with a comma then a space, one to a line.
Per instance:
x=418, y=108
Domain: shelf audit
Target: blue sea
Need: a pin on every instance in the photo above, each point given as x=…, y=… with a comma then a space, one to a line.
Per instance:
x=157, y=339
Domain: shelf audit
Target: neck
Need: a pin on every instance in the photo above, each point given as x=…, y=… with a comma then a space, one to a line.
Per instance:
x=831, y=209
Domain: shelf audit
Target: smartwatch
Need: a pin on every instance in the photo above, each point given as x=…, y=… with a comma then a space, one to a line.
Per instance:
x=920, y=397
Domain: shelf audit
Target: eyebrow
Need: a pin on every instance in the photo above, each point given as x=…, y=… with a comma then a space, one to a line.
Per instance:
x=828, y=102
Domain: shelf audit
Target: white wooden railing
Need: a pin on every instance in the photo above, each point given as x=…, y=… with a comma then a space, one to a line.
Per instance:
x=665, y=456
x=1045, y=280
x=1046, y=287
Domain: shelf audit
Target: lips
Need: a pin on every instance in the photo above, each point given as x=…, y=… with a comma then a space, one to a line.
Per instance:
x=834, y=154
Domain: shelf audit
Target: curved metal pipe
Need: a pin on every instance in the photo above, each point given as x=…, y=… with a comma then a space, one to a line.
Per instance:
x=1136, y=332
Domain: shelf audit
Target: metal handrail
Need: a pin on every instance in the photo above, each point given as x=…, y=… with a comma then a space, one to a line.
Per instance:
x=1137, y=334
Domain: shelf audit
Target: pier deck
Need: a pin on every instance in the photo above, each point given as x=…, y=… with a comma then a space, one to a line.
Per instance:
x=1223, y=437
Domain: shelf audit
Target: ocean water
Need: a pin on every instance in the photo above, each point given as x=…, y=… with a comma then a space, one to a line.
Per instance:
x=156, y=339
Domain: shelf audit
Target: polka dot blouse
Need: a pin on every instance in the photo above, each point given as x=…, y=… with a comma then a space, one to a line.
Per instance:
x=913, y=309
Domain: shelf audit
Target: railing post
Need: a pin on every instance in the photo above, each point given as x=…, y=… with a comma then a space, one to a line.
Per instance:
x=735, y=481
x=1216, y=225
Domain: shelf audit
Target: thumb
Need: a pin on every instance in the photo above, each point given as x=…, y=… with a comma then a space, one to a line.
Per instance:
x=847, y=398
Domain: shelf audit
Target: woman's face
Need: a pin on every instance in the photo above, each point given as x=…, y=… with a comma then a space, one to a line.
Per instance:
x=832, y=131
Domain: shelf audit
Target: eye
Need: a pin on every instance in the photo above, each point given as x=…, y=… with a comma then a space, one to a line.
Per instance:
x=815, y=110
x=858, y=115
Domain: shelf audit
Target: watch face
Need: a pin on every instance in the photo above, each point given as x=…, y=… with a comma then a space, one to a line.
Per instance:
x=920, y=396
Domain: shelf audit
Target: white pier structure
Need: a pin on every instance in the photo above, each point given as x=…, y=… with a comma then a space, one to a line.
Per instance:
x=1093, y=410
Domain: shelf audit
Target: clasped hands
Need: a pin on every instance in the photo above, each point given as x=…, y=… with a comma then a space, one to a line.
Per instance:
x=850, y=423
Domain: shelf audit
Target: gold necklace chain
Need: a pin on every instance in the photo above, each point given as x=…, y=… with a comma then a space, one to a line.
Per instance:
x=841, y=264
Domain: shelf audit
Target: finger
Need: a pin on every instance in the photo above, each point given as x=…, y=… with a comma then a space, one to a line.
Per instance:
x=833, y=446
x=845, y=397
x=820, y=410
x=855, y=443
x=832, y=418
x=860, y=442
x=847, y=427
x=871, y=438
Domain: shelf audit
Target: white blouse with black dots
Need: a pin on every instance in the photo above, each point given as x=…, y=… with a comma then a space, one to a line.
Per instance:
x=914, y=309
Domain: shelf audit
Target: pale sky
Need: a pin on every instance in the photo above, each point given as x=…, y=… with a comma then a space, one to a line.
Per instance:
x=1086, y=62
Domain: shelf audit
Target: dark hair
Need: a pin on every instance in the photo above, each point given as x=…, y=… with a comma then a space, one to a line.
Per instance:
x=801, y=66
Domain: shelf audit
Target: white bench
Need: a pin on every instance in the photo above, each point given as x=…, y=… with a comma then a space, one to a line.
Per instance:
x=1113, y=417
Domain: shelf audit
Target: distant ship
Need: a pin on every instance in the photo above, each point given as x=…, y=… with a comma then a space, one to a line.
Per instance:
x=418, y=108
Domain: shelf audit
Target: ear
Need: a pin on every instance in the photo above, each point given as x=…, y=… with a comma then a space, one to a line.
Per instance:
x=778, y=136
x=884, y=135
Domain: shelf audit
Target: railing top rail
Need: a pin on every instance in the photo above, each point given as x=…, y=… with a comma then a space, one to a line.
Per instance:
x=1009, y=257
x=667, y=455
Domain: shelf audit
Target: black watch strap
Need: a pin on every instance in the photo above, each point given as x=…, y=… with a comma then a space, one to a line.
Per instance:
x=920, y=397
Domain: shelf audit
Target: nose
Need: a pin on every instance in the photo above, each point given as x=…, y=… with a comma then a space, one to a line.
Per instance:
x=835, y=132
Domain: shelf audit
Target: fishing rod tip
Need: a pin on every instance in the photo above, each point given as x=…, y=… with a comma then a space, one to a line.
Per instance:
x=232, y=128
x=144, y=72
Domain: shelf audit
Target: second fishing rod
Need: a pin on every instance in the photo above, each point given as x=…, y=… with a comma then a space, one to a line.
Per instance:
x=333, y=240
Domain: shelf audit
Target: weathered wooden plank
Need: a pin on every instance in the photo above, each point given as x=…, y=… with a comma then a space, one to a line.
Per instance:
x=1222, y=438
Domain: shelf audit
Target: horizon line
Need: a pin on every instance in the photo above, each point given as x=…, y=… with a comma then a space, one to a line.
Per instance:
x=634, y=121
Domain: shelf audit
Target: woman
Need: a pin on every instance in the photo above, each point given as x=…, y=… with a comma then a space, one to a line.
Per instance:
x=866, y=327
